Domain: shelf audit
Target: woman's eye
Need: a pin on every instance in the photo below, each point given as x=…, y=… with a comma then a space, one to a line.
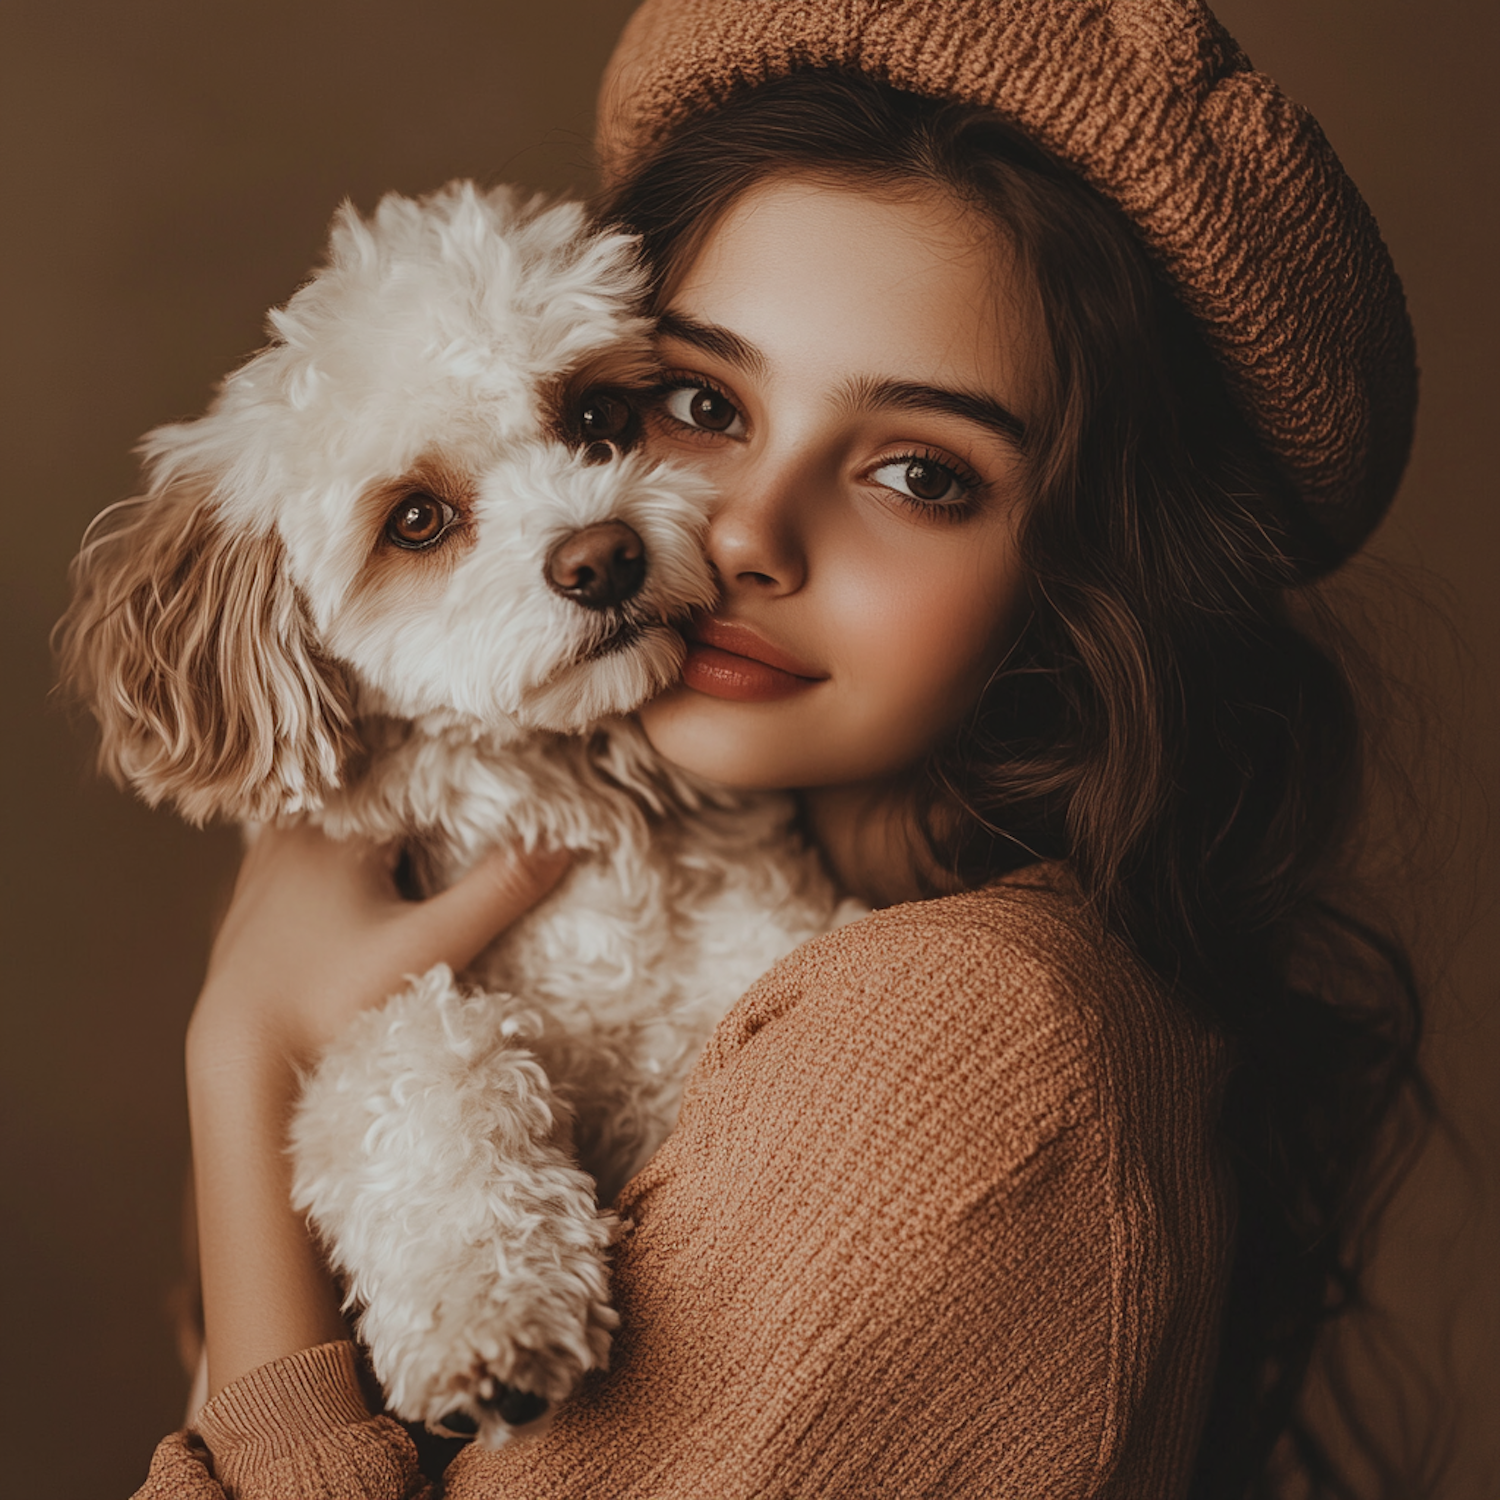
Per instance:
x=923, y=479
x=418, y=520
x=703, y=407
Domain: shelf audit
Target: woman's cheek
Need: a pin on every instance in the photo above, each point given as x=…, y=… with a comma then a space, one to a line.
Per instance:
x=930, y=636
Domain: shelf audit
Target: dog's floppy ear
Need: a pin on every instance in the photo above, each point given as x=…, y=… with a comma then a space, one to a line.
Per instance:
x=189, y=643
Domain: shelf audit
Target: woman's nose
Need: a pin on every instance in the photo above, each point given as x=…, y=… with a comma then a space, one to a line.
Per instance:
x=755, y=540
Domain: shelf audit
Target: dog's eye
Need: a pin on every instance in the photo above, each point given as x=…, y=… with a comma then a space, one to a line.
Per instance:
x=605, y=418
x=418, y=520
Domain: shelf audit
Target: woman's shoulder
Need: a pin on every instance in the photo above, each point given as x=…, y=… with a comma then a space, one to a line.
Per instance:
x=996, y=1048
x=1030, y=929
x=1023, y=954
x=1015, y=988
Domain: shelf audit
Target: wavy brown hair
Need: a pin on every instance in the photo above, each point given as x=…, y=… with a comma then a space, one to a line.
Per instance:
x=1172, y=721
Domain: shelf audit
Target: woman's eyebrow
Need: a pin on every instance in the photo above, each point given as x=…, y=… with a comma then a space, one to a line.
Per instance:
x=712, y=339
x=906, y=395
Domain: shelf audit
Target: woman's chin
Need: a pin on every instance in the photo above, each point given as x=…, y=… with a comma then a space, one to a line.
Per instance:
x=720, y=741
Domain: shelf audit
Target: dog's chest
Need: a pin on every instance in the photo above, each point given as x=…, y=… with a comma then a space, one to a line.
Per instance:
x=670, y=912
x=673, y=908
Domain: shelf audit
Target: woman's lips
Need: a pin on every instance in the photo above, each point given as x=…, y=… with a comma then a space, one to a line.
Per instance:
x=731, y=661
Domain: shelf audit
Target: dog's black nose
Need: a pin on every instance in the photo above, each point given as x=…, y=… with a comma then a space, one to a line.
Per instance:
x=599, y=566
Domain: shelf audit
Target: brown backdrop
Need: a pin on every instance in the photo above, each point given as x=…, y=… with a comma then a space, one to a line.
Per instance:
x=170, y=167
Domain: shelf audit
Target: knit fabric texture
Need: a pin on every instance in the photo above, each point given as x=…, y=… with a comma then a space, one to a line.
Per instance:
x=943, y=1216
x=1233, y=188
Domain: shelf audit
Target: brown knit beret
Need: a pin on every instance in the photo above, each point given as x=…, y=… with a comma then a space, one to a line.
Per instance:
x=1233, y=188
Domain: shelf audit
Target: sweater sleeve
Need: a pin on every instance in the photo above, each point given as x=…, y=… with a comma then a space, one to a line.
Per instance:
x=927, y=1226
x=298, y=1429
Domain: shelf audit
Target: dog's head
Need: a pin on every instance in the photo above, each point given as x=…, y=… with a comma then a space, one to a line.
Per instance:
x=421, y=499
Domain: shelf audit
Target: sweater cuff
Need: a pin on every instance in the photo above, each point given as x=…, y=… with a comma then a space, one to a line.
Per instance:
x=281, y=1406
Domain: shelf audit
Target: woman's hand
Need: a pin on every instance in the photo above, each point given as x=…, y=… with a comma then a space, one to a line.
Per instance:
x=315, y=933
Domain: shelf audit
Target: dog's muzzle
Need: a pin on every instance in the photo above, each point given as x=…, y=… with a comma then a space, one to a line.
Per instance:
x=599, y=567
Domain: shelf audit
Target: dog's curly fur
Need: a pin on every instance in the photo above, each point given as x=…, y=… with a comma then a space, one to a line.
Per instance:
x=256, y=643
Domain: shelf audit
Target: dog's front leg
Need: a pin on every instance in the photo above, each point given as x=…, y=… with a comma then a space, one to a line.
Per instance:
x=434, y=1160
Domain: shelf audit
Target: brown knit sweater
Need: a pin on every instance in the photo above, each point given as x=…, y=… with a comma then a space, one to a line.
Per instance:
x=942, y=1217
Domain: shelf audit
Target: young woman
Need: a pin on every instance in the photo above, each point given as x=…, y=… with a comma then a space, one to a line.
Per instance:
x=1041, y=1180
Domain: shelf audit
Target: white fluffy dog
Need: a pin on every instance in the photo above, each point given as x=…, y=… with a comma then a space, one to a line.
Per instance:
x=403, y=579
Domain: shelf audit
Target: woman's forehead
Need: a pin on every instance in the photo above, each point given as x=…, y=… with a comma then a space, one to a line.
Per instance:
x=866, y=282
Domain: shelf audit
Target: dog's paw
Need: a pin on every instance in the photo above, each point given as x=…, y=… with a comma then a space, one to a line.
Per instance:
x=495, y=1331
x=512, y=1409
x=526, y=1349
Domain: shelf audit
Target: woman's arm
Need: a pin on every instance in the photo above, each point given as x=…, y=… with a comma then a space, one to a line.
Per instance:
x=265, y=1290
x=315, y=933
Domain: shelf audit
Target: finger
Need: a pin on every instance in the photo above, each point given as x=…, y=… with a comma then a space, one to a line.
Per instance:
x=453, y=926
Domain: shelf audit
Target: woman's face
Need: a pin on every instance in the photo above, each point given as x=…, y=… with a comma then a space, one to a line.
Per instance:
x=853, y=369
